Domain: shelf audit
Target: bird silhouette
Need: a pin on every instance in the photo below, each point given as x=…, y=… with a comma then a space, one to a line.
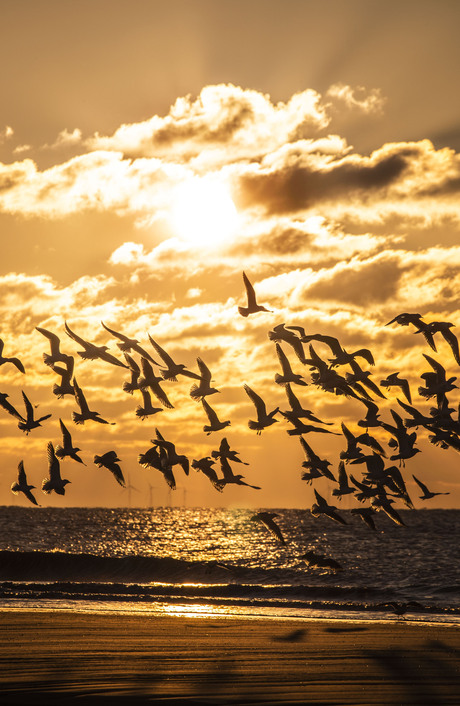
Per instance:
x=264, y=418
x=91, y=351
x=129, y=344
x=152, y=381
x=214, y=422
x=14, y=361
x=22, y=486
x=172, y=369
x=203, y=388
x=205, y=465
x=67, y=449
x=394, y=380
x=55, y=355
x=321, y=507
x=427, y=494
x=54, y=482
x=252, y=305
x=146, y=409
x=287, y=375
x=85, y=414
x=30, y=422
x=267, y=519
x=281, y=332
x=110, y=460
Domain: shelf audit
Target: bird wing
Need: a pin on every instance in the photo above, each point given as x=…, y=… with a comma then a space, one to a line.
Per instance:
x=256, y=400
x=162, y=353
x=80, y=398
x=53, y=463
x=211, y=414
x=22, y=480
x=421, y=485
x=121, y=336
x=250, y=293
x=451, y=339
x=10, y=409
x=282, y=357
x=76, y=338
x=133, y=366
x=29, y=408
x=204, y=370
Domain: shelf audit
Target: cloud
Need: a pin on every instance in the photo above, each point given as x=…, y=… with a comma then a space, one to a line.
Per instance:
x=357, y=97
x=67, y=139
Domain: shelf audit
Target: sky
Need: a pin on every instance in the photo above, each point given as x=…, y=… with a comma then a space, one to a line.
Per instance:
x=151, y=152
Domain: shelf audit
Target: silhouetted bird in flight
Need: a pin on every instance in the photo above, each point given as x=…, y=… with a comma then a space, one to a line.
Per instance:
x=85, y=414
x=146, y=409
x=321, y=507
x=91, y=351
x=252, y=306
x=266, y=519
x=214, y=422
x=281, y=332
x=15, y=361
x=393, y=380
x=287, y=374
x=320, y=561
x=152, y=381
x=203, y=388
x=65, y=387
x=427, y=494
x=205, y=465
x=264, y=418
x=111, y=461
x=54, y=481
x=22, y=486
x=129, y=344
x=172, y=369
x=67, y=449
x=30, y=422
x=55, y=355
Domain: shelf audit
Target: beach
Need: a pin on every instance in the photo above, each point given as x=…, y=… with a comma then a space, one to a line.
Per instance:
x=63, y=656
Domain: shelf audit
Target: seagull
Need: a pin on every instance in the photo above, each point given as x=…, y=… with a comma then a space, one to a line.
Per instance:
x=320, y=561
x=85, y=413
x=230, y=478
x=405, y=319
x=281, y=332
x=266, y=518
x=321, y=507
x=371, y=418
x=150, y=380
x=205, y=465
x=214, y=422
x=366, y=514
x=252, y=306
x=65, y=387
x=147, y=408
x=344, y=487
x=110, y=461
x=93, y=352
x=135, y=371
x=197, y=392
x=172, y=369
x=393, y=380
x=427, y=494
x=67, y=448
x=298, y=411
x=352, y=451
x=157, y=457
x=443, y=327
x=8, y=407
x=302, y=428
x=21, y=485
x=55, y=356
x=314, y=462
x=264, y=418
x=226, y=452
x=362, y=377
x=129, y=344
x=30, y=422
x=288, y=374
x=341, y=356
x=173, y=458
x=14, y=361
x=54, y=482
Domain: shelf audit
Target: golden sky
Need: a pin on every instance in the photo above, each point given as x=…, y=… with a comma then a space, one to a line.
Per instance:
x=150, y=152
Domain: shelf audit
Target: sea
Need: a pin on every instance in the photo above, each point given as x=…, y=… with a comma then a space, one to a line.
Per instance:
x=220, y=562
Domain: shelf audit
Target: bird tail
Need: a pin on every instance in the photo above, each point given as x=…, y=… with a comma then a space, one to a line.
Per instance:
x=130, y=387
x=195, y=392
x=78, y=418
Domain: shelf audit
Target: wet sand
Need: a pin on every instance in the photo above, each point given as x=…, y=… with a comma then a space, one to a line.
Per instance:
x=64, y=657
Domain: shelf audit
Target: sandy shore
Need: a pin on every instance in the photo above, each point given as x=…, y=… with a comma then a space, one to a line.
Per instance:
x=61, y=657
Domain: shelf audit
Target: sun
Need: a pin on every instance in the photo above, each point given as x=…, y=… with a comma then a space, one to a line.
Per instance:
x=203, y=212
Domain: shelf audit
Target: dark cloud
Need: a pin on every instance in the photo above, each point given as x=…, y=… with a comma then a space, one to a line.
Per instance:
x=369, y=283
x=296, y=187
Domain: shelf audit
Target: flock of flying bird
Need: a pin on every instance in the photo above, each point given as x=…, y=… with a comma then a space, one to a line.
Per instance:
x=339, y=373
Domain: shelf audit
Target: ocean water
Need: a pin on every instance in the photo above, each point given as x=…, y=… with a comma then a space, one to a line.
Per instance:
x=196, y=561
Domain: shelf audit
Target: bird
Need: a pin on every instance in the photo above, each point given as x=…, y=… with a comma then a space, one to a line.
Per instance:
x=152, y=381
x=22, y=486
x=427, y=494
x=444, y=328
x=67, y=449
x=367, y=516
x=264, y=418
x=362, y=377
x=288, y=375
x=85, y=414
x=91, y=351
x=252, y=305
x=157, y=457
x=15, y=361
x=8, y=407
x=30, y=422
x=54, y=481
x=393, y=380
x=173, y=458
x=65, y=387
x=320, y=561
x=146, y=408
x=214, y=422
x=297, y=411
x=172, y=369
x=205, y=465
x=266, y=519
x=281, y=332
x=314, y=463
x=231, y=478
x=352, y=451
x=203, y=388
x=301, y=428
x=341, y=356
x=135, y=371
x=321, y=507
x=344, y=487
x=111, y=461
x=55, y=355
x=226, y=452
x=405, y=319
x=129, y=344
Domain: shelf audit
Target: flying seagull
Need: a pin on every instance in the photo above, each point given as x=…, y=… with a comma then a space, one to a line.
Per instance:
x=266, y=519
x=22, y=486
x=14, y=361
x=54, y=482
x=67, y=449
x=110, y=461
x=252, y=306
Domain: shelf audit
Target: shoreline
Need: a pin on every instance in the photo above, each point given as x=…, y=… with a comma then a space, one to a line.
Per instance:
x=47, y=656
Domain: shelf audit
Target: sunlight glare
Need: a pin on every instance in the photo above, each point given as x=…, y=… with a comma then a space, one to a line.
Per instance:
x=203, y=212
